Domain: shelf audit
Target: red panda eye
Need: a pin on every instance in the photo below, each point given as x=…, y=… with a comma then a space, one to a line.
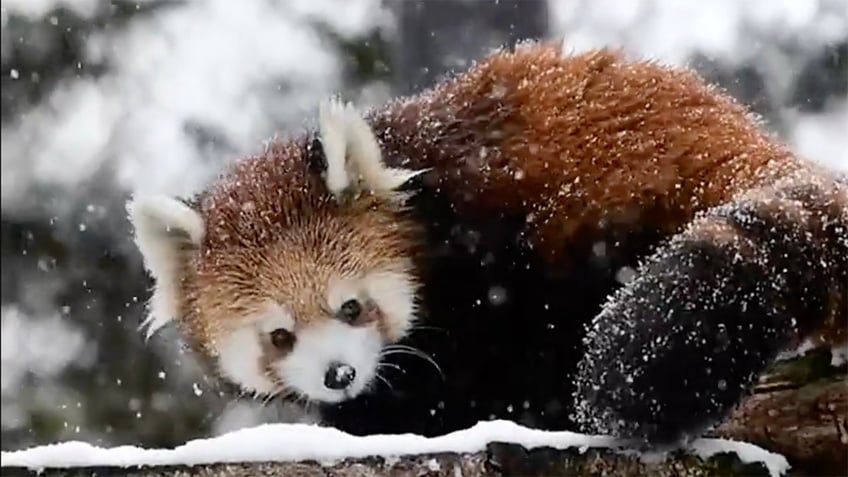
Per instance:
x=282, y=339
x=350, y=311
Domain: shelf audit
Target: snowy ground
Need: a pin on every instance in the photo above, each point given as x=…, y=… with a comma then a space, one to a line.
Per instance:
x=287, y=442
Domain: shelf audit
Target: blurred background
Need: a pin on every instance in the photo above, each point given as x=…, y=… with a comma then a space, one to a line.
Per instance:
x=103, y=98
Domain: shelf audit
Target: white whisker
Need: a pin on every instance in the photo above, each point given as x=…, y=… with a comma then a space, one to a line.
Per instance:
x=381, y=378
x=390, y=365
x=426, y=328
x=404, y=349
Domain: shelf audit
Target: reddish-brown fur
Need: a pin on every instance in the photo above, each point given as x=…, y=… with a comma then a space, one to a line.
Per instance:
x=572, y=143
x=581, y=143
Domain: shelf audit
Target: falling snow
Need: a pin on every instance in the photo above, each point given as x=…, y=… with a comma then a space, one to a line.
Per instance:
x=86, y=135
x=497, y=295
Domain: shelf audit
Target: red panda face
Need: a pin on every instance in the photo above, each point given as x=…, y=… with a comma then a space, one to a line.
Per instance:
x=291, y=284
x=309, y=315
x=312, y=328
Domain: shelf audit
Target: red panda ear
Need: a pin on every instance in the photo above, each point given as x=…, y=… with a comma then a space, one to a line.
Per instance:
x=165, y=230
x=354, y=159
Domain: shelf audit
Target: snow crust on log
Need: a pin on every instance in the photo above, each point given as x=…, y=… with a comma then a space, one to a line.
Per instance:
x=298, y=442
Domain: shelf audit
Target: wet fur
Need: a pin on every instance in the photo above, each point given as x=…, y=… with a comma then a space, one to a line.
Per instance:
x=545, y=175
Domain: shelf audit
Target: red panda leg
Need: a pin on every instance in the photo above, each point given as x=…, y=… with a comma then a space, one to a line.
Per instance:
x=674, y=350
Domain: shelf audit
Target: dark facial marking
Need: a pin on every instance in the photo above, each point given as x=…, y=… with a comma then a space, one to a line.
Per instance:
x=358, y=313
x=315, y=158
x=282, y=339
x=350, y=311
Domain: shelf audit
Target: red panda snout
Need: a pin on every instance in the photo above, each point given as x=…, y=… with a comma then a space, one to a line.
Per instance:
x=332, y=361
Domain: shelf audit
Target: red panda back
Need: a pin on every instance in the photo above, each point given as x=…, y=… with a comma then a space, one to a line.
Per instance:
x=576, y=142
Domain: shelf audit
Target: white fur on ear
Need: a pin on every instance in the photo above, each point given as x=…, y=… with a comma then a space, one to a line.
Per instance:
x=164, y=227
x=353, y=153
x=331, y=121
x=365, y=152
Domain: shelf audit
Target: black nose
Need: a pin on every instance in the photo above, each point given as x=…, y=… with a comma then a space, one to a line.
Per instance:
x=339, y=376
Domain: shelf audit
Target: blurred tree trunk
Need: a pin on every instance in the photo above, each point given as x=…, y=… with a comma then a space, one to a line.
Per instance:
x=437, y=36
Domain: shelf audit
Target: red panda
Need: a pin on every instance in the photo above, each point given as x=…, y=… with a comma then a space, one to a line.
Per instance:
x=585, y=242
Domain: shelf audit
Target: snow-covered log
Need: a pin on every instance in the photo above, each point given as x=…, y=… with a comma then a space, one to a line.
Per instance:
x=800, y=409
x=798, y=413
x=490, y=448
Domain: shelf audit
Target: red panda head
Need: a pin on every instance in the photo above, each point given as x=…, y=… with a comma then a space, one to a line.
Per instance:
x=292, y=282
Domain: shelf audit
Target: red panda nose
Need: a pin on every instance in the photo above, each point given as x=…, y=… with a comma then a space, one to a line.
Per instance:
x=339, y=376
